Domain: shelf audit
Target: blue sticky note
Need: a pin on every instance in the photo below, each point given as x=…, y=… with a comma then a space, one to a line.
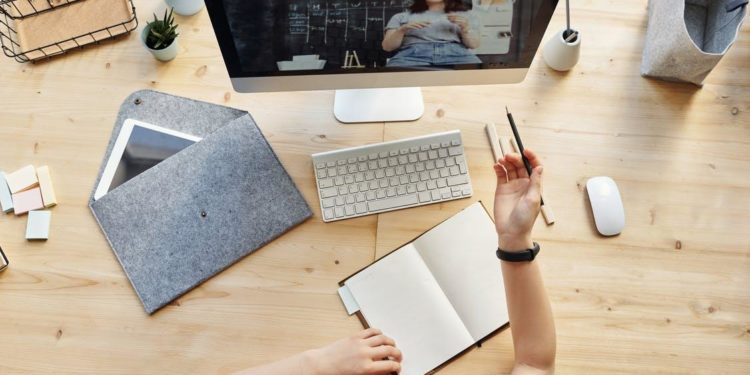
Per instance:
x=6, y=202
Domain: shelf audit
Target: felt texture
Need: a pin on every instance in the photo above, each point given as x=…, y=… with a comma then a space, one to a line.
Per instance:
x=687, y=38
x=201, y=210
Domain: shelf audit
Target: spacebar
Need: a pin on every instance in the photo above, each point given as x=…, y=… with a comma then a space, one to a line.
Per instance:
x=385, y=204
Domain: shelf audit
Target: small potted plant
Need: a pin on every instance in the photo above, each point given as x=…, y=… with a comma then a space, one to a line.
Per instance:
x=160, y=37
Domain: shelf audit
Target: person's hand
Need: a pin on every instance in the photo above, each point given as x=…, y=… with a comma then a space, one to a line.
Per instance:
x=460, y=21
x=367, y=353
x=413, y=26
x=517, y=200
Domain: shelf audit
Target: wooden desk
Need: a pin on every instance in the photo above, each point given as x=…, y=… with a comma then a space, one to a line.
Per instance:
x=669, y=295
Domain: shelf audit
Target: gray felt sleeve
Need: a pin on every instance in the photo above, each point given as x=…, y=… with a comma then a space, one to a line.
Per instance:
x=687, y=38
x=198, y=212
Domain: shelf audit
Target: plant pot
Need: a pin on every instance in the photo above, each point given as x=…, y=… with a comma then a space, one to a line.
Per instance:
x=186, y=7
x=164, y=54
x=561, y=55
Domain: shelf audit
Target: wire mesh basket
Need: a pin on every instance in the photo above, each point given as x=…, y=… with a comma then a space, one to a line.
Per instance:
x=17, y=9
x=61, y=26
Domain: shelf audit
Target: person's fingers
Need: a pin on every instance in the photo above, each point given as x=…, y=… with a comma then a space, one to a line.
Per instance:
x=517, y=162
x=535, y=187
x=385, y=367
x=386, y=352
x=366, y=334
x=379, y=340
x=533, y=158
x=510, y=169
x=501, y=173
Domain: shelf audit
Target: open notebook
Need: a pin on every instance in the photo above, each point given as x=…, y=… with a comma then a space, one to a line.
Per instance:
x=436, y=296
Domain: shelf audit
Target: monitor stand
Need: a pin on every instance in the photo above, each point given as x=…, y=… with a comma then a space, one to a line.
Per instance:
x=378, y=105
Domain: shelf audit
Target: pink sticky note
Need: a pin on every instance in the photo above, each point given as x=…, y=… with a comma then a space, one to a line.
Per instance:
x=26, y=201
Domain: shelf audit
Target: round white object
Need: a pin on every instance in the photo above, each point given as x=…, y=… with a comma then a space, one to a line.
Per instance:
x=561, y=55
x=186, y=7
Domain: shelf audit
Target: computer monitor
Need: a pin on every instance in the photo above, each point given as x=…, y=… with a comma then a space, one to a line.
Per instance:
x=377, y=53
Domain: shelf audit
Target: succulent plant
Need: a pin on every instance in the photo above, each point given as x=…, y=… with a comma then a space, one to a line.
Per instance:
x=162, y=32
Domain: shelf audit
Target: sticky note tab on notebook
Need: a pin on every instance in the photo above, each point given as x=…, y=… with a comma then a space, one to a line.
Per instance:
x=26, y=201
x=6, y=200
x=347, y=298
x=37, y=226
x=45, y=184
x=22, y=179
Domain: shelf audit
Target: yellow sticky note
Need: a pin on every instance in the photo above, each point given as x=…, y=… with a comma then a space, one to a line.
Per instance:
x=22, y=179
x=45, y=183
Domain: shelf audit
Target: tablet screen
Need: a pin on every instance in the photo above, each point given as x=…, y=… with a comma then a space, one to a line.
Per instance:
x=145, y=148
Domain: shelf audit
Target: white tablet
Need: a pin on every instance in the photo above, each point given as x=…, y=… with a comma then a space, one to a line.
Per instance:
x=138, y=147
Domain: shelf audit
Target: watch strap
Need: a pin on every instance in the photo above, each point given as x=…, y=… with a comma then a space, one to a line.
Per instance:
x=518, y=256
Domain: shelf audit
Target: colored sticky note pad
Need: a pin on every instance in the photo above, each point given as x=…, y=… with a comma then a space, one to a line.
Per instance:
x=45, y=184
x=22, y=179
x=37, y=226
x=26, y=201
x=6, y=200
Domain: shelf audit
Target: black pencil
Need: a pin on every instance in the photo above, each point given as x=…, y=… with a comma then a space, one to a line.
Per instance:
x=526, y=162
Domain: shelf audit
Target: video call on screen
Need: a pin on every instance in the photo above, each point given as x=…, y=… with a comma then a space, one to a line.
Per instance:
x=336, y=36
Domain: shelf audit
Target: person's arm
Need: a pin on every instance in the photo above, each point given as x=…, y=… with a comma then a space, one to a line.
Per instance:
x=395, y=37
x=517, y=204
x=366, y=353
x=469, y=36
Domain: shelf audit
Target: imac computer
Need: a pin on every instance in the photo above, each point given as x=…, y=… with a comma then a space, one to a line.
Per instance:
x=377, y=53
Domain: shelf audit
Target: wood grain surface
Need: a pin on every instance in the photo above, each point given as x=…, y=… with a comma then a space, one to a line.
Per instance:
x=670, y=295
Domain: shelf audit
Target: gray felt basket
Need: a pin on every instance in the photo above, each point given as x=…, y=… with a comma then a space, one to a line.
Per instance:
x=687, y=38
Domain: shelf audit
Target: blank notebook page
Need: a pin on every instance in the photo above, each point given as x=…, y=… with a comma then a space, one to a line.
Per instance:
x=460, y=254
x=399, y=296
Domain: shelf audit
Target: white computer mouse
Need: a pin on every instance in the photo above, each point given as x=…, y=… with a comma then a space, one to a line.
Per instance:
x=606, y=203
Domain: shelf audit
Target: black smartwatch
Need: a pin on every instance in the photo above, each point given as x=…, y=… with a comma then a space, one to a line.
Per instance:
x=518, y=256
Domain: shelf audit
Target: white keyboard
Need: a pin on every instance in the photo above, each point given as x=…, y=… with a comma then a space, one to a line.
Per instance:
x=388, y=176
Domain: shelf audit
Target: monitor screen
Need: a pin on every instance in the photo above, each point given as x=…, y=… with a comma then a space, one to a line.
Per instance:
x=269, y=38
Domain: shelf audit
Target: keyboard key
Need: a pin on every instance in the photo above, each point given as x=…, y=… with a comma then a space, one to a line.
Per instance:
x=383, y=183
x=413, y=177
x=445, y=144
x=339, y=201
x=342, y=170
x=329, y=192
x=453, y=151
x=390, y=172
x=404, y=151
x=432, y=154
x=322, y=173
x=328, y=214
x=421, y=186
x=453, y=170
x=341, y=162
x=339, y=212
x=343, y=190
x=435, y=146
x=456, y=193
x=466, y=190
x=422, y=156
x=400, y=170
x=370, y=195
x=435, y=195
x=401, y=190
x=442, y=153
x=410, y=168
x=425, y=197
x=338, y=180
x=360, y=197
x=325, y=183
x=352, y=160
x=392, y=162
x=450, y=162
x=411, y=188
x=382, y=163
x=400, y=201
x=424, y=176
x=441, y=183
x=383, y=155
x=360, y=208
x=431, y=185
x=403, y=179
x=349, y=199
x=372, y=156
x=332, y=172
x=369, y=175
x=350, y=179
x=372, y=165
x=440, y=163
x=434, y=174
x=380, y=194
x=430, y=165
x=363, y=186
x=444, y=172
x=349, y=210
x=331, y=164
x=424, y=147
x=321, y=165
x=379, y=173
x=420, y=167
x=328, y=203
x=353, y=188
x=462, y=168
x=390, y=192
x=445, y=193
x=352, y=168
x=359, y=177
x=412, y=158
x=403, y=159
x=394, y=181
x=362, y=158
x=414, y=149
x=455, y=142
x=457, y=180
x=393, y=153
x=373, y=184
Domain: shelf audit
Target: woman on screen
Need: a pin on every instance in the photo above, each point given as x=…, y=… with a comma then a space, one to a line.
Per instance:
x=432, y=33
